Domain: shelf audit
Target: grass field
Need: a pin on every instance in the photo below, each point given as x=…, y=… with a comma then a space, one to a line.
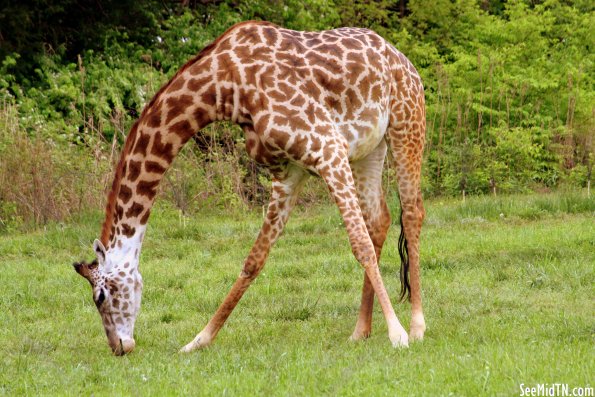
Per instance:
x=508, y=288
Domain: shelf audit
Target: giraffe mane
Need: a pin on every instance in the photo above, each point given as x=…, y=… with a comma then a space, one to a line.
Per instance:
x=115, y=190
x=112, y=197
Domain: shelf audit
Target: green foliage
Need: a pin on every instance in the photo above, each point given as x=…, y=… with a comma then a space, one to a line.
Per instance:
x=37, y=28
x=513, y=86
x=510, y=86
x=293, y=14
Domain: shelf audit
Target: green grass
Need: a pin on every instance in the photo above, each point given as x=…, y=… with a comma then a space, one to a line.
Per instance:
x=508, y=288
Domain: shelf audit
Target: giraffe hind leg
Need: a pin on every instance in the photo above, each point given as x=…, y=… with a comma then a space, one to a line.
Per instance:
x=339, y=180
x=407, y=146
x=367, y=174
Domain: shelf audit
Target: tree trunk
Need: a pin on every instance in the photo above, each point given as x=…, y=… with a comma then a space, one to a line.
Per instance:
x=569, y=136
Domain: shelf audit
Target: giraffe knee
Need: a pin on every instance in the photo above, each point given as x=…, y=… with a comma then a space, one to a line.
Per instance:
x=420, y=207
x=412, y=211
x=249, y=273
x=384, y=220
x=365, y=254
x=422, y=214
x=251, y=269
x=416, y=215
x=412, y=219
x=379, y=230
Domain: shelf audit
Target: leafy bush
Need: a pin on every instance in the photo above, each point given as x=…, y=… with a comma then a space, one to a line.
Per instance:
x=508, y=89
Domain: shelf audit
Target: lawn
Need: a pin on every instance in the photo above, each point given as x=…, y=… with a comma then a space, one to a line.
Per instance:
x=508, y=288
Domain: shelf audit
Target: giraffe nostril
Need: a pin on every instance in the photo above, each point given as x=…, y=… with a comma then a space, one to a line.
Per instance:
x=119, y=349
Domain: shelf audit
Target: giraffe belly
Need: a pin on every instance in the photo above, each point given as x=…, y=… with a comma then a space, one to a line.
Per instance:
x=363, y=140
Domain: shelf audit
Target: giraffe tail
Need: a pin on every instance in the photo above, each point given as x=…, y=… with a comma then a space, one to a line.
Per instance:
x=404, y=272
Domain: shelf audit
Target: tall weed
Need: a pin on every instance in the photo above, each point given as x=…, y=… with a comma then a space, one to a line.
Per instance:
x=42, y=181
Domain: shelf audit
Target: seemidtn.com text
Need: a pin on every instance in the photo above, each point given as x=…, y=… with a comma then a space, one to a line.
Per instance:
x=555, y=390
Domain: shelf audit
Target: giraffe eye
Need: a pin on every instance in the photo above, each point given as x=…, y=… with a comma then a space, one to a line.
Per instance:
x=100, y=298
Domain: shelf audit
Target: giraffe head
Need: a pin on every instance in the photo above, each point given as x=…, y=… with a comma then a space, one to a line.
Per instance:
x=117, y=289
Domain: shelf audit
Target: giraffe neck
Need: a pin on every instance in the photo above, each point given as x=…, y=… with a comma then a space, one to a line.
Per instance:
x=186, y=104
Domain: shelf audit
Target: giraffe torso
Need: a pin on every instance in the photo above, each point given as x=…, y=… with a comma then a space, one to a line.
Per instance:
x=328, y=83
x=295, y=92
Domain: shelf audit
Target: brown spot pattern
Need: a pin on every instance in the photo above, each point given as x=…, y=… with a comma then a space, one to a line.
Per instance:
x=147, y=188
x=315, y=100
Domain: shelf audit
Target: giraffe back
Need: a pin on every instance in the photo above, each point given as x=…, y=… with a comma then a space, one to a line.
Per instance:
x=281, y=85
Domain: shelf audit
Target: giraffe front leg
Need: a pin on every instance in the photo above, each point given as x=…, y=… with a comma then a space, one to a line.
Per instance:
x=285, y=188
x=339, y=180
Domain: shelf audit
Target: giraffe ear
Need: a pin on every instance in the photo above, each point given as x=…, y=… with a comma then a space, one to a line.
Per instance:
x=85, y=269
x=100, y=251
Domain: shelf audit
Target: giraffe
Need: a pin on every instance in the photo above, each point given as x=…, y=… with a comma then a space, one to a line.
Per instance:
x=328, y=104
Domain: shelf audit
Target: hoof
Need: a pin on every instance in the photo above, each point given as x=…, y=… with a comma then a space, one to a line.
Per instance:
x=417, y=334
x=399, y=338
x=359, y=335
x=418, y=327
x=198, y=343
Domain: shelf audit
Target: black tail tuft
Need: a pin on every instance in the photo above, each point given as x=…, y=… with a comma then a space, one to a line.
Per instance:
x=404, y=254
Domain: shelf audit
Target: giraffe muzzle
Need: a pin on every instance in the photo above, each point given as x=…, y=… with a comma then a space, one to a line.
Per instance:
x=124, y=346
